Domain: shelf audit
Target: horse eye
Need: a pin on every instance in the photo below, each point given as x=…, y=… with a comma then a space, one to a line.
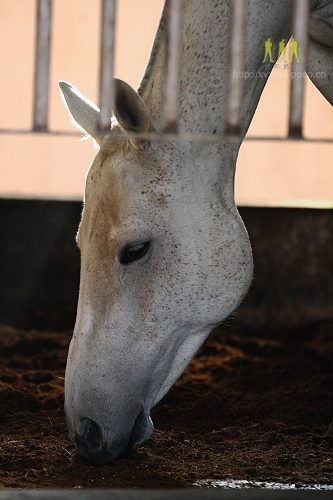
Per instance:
x=132, y=253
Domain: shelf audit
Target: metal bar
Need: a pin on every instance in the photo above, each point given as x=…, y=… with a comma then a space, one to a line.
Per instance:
x=298, y=59
x=106, y=82
x=208, y=138
x=42, y=66
x=235, y=84
x=173, y=61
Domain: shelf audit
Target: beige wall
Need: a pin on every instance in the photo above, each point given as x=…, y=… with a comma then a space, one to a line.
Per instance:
x=267, y=173
x=289, y=173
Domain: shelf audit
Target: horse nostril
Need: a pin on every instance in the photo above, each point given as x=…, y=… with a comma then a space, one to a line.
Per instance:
x=91, y=444
x=89, y=440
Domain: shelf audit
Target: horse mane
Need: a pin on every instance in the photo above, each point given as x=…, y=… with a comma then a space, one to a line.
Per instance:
x=155, y=50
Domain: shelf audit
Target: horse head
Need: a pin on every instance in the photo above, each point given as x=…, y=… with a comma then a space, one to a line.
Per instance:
x=164, y=259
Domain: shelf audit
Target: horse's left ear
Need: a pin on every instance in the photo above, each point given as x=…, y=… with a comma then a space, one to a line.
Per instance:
x=130, y=110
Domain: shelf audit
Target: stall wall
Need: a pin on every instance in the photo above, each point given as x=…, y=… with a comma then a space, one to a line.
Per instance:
x=268, y=173
x=39, y=265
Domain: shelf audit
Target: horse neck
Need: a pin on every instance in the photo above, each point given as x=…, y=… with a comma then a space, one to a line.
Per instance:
x=204, y=62
x=204, y=71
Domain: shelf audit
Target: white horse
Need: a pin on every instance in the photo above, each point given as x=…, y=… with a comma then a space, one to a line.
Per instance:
x=165, y=256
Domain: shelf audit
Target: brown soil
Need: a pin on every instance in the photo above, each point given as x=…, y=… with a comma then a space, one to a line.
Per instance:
x=248, y=407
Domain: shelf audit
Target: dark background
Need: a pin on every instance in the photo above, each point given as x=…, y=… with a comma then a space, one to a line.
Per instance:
x=39, y=265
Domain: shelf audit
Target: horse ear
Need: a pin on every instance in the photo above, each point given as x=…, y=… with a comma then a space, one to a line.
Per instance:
x=130, y=110
x=83, y=112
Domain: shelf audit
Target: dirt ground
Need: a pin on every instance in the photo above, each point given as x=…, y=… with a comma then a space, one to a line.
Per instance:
x=252, y=407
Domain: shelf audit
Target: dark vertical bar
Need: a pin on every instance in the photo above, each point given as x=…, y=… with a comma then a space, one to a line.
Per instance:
x=235, y=82
x=298, y=67
x=173, y=60
x=42, y=66
x=106, y=82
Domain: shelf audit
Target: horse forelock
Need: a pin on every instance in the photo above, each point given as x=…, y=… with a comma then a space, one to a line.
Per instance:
x=118, y=141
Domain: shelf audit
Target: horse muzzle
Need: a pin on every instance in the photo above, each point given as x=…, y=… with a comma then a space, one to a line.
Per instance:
x=93, y=446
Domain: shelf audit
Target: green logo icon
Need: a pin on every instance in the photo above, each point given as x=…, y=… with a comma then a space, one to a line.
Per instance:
x=282, y=56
